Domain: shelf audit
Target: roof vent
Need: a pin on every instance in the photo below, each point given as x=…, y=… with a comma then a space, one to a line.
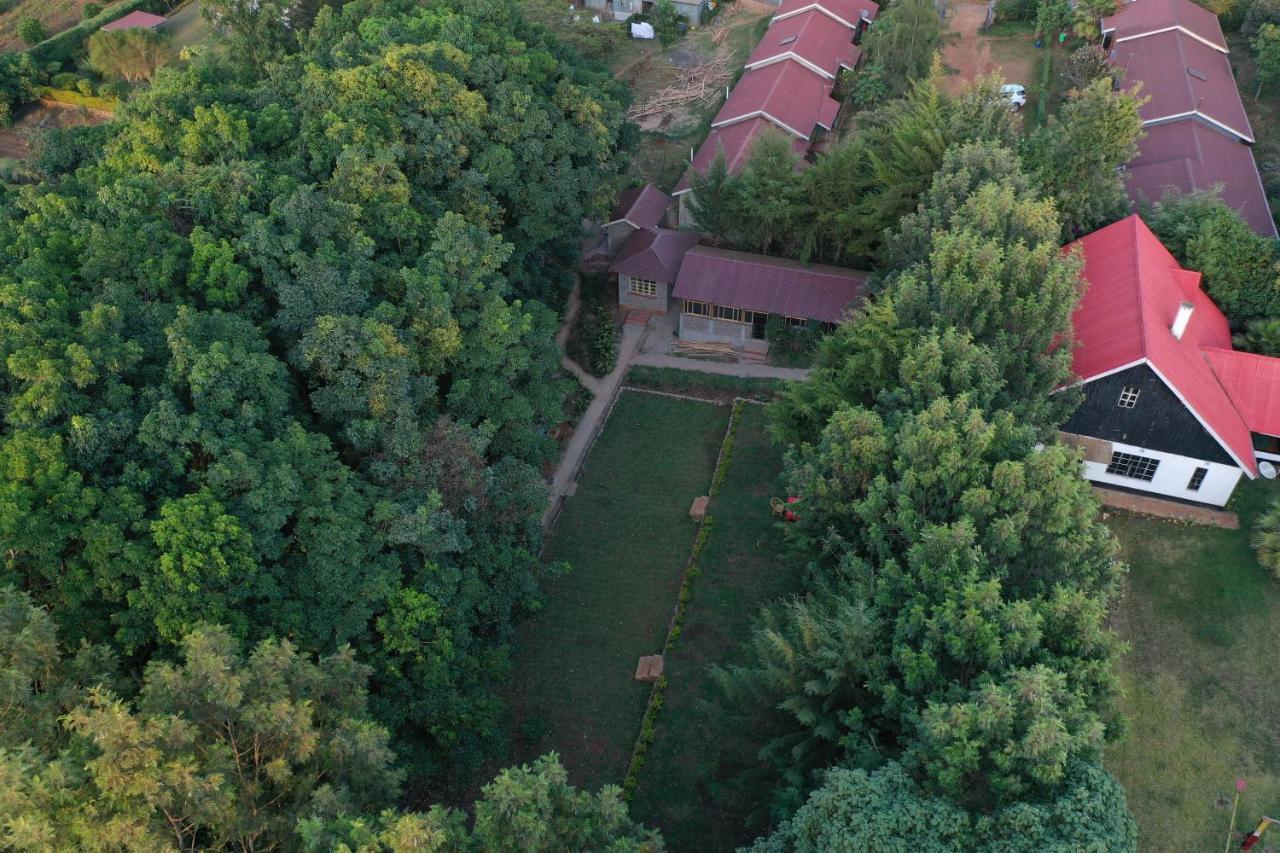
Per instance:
x=787, y=40
x=1181, y=320
x=1197, y=73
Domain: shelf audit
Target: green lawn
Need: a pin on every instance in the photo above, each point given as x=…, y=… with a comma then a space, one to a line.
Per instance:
x=627, y=534
x=1202, y=620
x=689, y=786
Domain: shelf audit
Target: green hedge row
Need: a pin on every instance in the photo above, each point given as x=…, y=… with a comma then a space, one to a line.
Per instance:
x=648, y=725
x=62, y=48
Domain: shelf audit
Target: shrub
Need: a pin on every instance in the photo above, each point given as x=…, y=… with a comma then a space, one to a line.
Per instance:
x=84, y=86
x=134, y=54
x=31, y=31
x=63, y=80
x=1266, y=538
x=593, y=341
x=90, y=10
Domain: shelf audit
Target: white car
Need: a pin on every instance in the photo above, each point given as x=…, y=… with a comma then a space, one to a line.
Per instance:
x=1015, y=94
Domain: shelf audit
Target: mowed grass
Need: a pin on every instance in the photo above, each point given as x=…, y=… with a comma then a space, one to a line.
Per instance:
x=1202, y=686
x=690, y=786
x=627, y=534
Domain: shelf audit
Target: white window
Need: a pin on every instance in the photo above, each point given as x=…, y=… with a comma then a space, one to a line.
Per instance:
x=643, y=287
x=725, y=312
x=1132, y=465
x=1128, y=398
x=701, y=309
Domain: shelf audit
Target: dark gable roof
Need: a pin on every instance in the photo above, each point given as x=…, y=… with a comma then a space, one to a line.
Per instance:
x=769, y=285
x=654, y=254
x=641, y=207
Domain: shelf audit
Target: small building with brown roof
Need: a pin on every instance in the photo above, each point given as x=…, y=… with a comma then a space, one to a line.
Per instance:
x=648, y=265
x=729, y=296
x=638, y=208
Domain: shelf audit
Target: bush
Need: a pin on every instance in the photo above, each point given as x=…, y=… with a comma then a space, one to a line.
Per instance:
x=134, y=54
x=791, y=345
x=90, y=11
x=31, y=31
x=84, y=86
x=1266, y=538
x=63, y=80
x=593, y=340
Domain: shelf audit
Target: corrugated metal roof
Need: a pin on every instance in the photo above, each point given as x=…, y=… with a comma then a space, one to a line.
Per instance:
x=1182, y=76
x=654, y=254
x=770, y=285
x=735, y=141
x=786, y=93
x=1134, y=290
x=641, y=207
x=1142, y=17
x=134, y=20
x=1253, y=383
x=846, y=12
x=1189, y=156
x=812, y=36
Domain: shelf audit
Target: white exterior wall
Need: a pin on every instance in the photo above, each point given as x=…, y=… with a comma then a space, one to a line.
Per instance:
x=1172, y=476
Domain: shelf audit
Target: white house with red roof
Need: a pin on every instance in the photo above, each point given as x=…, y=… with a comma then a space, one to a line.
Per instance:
x=1169, y=407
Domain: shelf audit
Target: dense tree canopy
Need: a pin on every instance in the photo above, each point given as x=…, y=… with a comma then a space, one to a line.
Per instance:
x=278, y=358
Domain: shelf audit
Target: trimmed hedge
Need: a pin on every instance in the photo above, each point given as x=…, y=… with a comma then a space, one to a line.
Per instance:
x=62, y=47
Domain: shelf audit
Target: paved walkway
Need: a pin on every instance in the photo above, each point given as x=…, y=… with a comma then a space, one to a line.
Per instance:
x=1159, y=508
x=592, y=420
x=742, y=368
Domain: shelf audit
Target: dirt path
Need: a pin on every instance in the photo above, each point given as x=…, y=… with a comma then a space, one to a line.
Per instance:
x=969, y=54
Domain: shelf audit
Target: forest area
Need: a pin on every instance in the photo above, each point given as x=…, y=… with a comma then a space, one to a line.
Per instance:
x=278, y=390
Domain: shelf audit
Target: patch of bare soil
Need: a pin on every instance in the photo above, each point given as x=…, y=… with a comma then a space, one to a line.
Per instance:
x=16, y=141
x=968, y=54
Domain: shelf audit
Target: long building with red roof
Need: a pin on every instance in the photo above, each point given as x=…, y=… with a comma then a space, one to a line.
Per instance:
x=1197, y=132
x=1169, y=407
x=787, y=84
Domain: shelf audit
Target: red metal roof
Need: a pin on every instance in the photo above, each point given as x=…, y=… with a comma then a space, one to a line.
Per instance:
x=770, y=285
x=1134, y=288
x=811, y=38
x=735, y=141
x=654, y=254
x=788, y=94
x=846, y=12
x=641, y=207
x=1190, y=156
x=1183, y=76
x=145, y=20
x=1142, y=17
x=1253, y=384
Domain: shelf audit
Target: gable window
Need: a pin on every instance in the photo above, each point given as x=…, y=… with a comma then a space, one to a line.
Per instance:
x=644, y=287
x=1132, y=465
x=725, y=312
x=1128, y=398
x=702, y=309
x=1197, y=479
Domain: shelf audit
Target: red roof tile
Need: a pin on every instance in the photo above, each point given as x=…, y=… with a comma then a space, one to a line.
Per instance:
x=655, y=254
x=811, y=38
x=1142, y=17
x=134, y=20
x=1134, y=289
x=788, y=94
x=846, y=12
x=770, y=285
x=1182, y=77
x=641, y=207
x=1253, y=384
x=1190, y=156
x=735, y=141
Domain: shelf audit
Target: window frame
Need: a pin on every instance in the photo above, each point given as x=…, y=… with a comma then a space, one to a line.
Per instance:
x=1133, y=466
x=735, y=312
x=696, y=308
x=1128, y=397
x=649, y=292
x=1197, y=478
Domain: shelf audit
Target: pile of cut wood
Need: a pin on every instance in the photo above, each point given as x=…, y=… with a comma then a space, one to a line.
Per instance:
x=704, y=349
x=702, y=83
